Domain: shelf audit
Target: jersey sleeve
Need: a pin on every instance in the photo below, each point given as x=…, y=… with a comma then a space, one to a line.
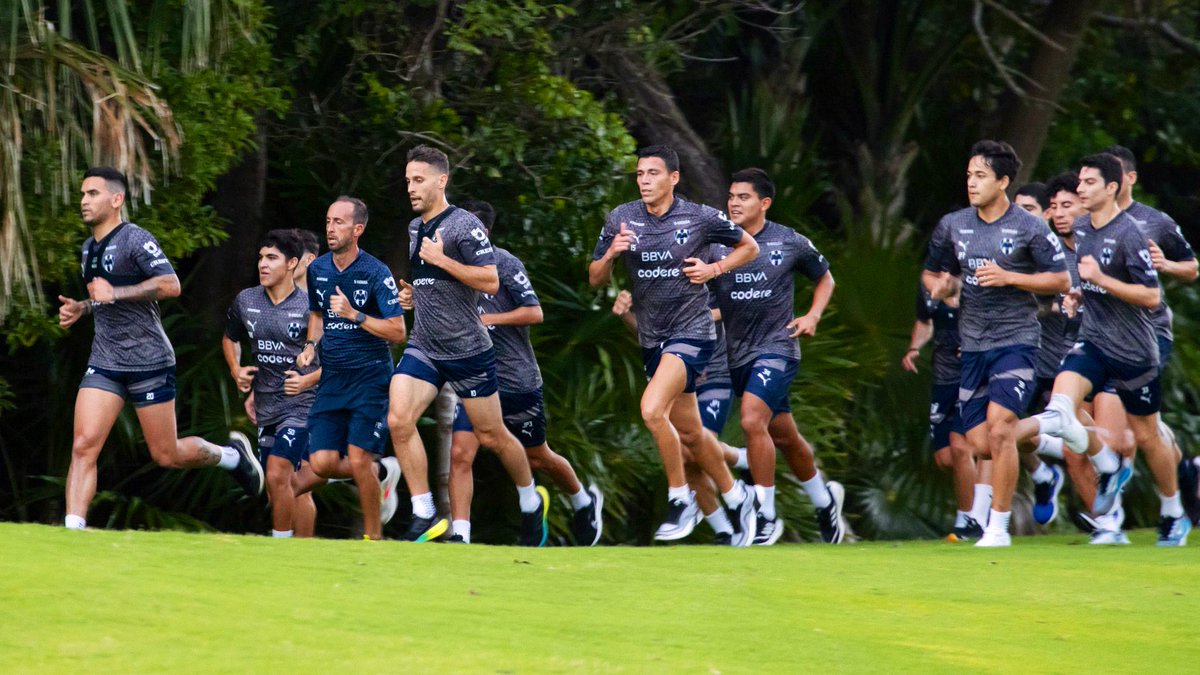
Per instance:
x=473, y=245
x=314, y=301
x=939, y=254
x=515, y=278
x=720, y=230
x=809, y=260
x=235, y=329
x=610, y=230
x=1047, y=252
x=1137, y=260
x=924, y=311
x=1172, y=242
x=387, y=296
x=149, y=256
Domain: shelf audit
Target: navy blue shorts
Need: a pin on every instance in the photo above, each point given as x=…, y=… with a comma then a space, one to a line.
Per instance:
x=1165, y=349
x=141, y=387
x=694, y=354
x=524, y=416
x=943, y=415
x=1003, y=376
x=283, y=440
x=714, y=399
x=769, y=377
x=471, y=377
x=351, y=409
x=1042, y=390
x=1139, y=387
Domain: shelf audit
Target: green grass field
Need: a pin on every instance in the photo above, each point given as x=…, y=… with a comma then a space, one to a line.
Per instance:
x=134, y=602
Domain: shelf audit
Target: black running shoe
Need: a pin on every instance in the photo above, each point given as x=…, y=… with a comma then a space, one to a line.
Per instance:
x=768, y=531
x=588, y=522
x=970, y=530
x=744, y=518
x=1084, y=522
x=533, y=525
x=425, y=529
x=249, y=472
x=723, y=539
x=456, y=539
x=829, y=519
x=1189, y=487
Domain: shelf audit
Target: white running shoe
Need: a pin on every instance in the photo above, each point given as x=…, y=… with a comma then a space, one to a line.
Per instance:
x=994, y=539
x=388, y=500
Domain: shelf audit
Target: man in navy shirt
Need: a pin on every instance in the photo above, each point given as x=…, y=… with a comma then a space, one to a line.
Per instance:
x=662, y=239
x=354, y=316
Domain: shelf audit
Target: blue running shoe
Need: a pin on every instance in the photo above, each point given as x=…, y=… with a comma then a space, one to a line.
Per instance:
x=1173, y=531
x=1108, y=487
x=1045, y=497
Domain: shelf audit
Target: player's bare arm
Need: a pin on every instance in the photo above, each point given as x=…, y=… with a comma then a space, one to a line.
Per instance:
x=991, y=275
x=1134, y=294
x=392, y=330
x=807, y=325
x=152, y=289
x=600, y=271
x=521, y=316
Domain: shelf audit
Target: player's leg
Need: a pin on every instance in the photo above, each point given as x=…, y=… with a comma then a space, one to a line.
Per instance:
x=409, y=396
x=964, y=472
x=283, y=499
x=1142, y=402
x=366, y=478
x=463, y=448
x=708, y=506
x=487, y=419
x=826, y=497
x=706, y=450
x=666, y=384
x=304, y=515
x=96, y=411
x=169, y=451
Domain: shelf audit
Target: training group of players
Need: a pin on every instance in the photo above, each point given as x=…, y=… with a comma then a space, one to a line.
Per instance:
x=711, y=301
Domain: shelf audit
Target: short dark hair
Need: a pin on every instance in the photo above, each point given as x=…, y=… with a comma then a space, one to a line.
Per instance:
x=1124, y=155
x=664, y=152
x=1108, y=166
x=431, y=156
x=115, y=179
x=1067, y=181
x=484, y=211
x=286, y=241
x=1037, y=191
x=360, y=209
x=763, y=185
x=999, y=156
x=308, y=240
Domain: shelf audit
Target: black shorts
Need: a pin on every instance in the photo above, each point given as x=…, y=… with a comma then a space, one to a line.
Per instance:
x=141, y=387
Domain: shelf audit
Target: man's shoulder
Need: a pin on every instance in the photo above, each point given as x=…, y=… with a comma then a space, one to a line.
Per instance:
x=626, y=210
x=961, y=216
x=246, y=296
x=322, y=263
x=689, y=209
x=506, y=258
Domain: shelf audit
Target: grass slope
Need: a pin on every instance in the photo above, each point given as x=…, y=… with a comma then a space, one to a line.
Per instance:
x=102, y=601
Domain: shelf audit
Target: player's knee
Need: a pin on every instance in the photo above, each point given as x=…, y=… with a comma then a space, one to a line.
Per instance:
x=944, y=458
x=461, y=457
x=653, y=415
x=539, y=459
x=279, y=482
x=691, y=438
x=1145, y=436
x=493, y=438
x=401, y=424
x=85, y=447
x=164, y=454
x=1000, y=439
x=324, y=464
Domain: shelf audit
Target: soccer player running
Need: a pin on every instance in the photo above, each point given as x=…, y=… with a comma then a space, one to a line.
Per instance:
x=1117, y=347
x=272, y=318
x=452, y=263
x=131, y=360
x=354, y=317
x=1002, y=256
x=764, y=351
x=661, y=238
x=508, y=314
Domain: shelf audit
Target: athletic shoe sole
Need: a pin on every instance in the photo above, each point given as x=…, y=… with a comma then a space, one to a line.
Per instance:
x=839, y=498
x=686, y=524
x=1186, y=525
x=747, y=518
x=437, y=529
x=775, y=534
x=247, y=452
x=389, y=501
x=598, y=503
x=1108, y=538
x=994, y=541
x=1056, y=489
x=545, y=514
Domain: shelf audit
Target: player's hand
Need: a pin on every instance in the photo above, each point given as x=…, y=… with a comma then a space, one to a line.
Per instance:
x=405, y=294
x=803, y=325
x=306, y=356
x=251, y=411
x=697, y=271
x=69, y=311
x=339, y=304
x=433, y=251
x=100, y=290
x=623, y=304
x=245, y=377
x=910, y=360
x=1089, y=269
x=624, y=241
x=991, y=275
x=294, y=383
x=1070, y=303
x=1157, y=258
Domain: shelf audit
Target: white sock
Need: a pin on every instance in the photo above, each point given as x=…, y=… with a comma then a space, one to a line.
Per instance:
x=422, y=505
x=982, y=503
x=1042, y=474
x=530, y=501
x=1170, y=506
x=998, y=521
x=282, y=534
x=743, y=460
x=463, y=529
x=767, y=502
x=681, y=493
x=1106, y=461
x=581, y=500
x=817, y=493
x=73, y=522
x=229, y=458
x=1050, y=446
x=736, y=495
x=1060, y=411
x=719, y=522
x=960, y=518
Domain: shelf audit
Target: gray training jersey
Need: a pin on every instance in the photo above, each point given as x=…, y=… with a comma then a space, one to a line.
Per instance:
x=1018, y=241
x=1165, y=232
x=757, y=300
x=276, y=335
x=1059, y=332
x=129, y=333
x=1124, y=332
x=516, y=366
x=668, y=305
x=447, y=311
